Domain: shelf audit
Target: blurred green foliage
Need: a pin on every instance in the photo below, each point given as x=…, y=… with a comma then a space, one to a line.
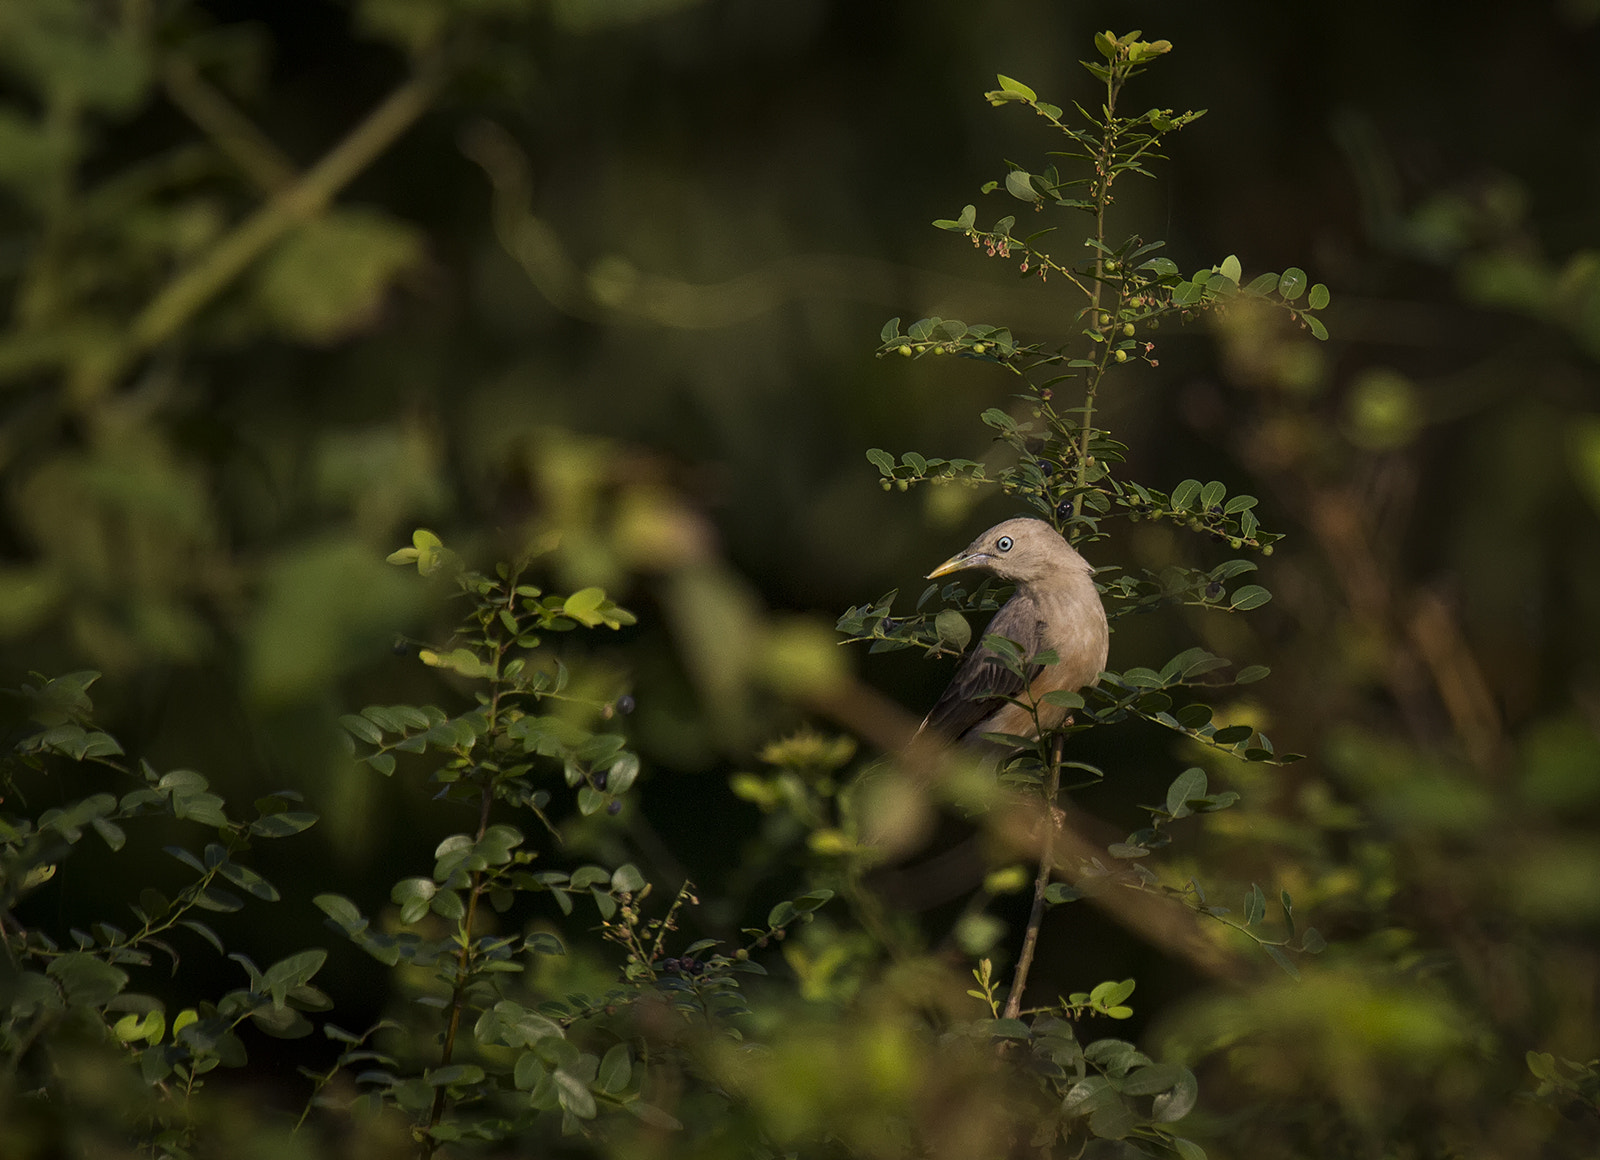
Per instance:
x=284, y=281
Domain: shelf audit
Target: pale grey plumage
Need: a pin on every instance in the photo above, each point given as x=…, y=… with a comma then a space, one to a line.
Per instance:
x=1056, y=606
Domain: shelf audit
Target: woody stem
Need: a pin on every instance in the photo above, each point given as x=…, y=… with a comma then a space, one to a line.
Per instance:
x=1041, y=882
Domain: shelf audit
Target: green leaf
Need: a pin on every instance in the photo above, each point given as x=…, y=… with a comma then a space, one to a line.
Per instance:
x=654, y=1116
x=1177, y=1102
x=574, y=1094
x=249, y=881
x=622, y=773
x=627, y=878
x=998, y=419
x=1255, y=905
x=1292, y=283
x=590, y=801
x=1187, y=786
x=345, y=914
x=362, y=728
x=1248, y=597
x=1020, y=187
x=1008, y=1029
x=1319, y=297
x=87, y=980
x=1315, y=326
x=286, y=974
x=1231, y=269
x=514, y=1025
x=1113, y=1121
x=882, y=460
x=584, y=606
x=890, y=332
x=1016, y=87
x=1142, y=678
x=542, y=942
x=1062, y=699
x=111, y=833
x=1282, y=960
x=616, y=1070
x=460, y=660
x=1153, y=1079
x=186, y=858
x=281, y=825
x=953, y=629
x=528, y=1071
x=1185, y=494
x=1111, y=994
x=204, y=932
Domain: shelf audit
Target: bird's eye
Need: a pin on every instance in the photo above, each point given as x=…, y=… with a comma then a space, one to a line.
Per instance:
x=1003, y=543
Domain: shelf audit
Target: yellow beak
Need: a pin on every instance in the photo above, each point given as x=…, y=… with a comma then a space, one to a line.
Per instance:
x=956, y=564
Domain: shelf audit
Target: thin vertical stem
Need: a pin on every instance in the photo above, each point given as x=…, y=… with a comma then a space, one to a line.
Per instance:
x=458, y=998
x=1041, y=883
x=1102, y=198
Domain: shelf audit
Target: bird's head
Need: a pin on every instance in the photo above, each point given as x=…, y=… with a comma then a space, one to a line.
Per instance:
x=1024, y=551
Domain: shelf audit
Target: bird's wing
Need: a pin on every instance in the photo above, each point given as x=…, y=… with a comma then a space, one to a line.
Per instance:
x=982, y=678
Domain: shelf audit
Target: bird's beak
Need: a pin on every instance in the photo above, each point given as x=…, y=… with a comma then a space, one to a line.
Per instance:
x=957, y=563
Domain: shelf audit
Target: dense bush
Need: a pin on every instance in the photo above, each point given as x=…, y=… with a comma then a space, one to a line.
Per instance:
x=626, y=860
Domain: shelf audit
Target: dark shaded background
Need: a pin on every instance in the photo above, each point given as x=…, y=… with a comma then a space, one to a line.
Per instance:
x=656, y=347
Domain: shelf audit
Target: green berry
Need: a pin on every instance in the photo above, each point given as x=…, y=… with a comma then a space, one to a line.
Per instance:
x=904, y=351
x=978, y=348
x=1121, y=356
x=1127, y=329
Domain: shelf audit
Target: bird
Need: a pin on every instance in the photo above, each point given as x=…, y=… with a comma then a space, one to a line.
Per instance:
x=1056, y=607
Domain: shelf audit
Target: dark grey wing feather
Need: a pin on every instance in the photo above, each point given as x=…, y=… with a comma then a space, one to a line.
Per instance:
x=981, y=680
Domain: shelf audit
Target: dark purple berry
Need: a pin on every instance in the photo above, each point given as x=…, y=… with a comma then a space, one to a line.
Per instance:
x=1213, y=590
x=625, y=704
x=614, y=807
x=599, y=778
